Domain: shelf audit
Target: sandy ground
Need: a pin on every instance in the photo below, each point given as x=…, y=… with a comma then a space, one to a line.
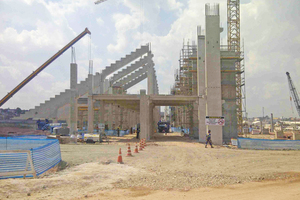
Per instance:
x=171, y=167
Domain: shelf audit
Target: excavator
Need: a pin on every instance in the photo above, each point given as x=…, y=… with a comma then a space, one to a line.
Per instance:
x=43, y=66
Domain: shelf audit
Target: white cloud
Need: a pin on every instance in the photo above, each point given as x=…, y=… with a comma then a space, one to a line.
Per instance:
x=100, y=21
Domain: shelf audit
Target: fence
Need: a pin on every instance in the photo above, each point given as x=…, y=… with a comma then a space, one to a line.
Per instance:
x=44, y=153
x=179, y=130
x=264, y=144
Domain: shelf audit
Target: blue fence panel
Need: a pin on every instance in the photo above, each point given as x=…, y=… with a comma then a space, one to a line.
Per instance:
x=20, y=143
x=263, y=144
x=45, y=154
x=10, y=162
x=46, y=157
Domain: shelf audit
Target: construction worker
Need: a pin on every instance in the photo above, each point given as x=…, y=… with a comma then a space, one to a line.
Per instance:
x=208, y=139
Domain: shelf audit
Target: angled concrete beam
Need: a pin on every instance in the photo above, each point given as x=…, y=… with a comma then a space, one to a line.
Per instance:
x=131, y=68
x=135, y=81
x=150, y=79
x=134, y=75
x=124, y=61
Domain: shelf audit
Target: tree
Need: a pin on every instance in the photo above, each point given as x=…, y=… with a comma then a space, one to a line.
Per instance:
x=18, y=110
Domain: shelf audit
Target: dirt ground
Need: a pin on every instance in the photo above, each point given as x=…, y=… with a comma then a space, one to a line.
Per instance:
x=170, y=167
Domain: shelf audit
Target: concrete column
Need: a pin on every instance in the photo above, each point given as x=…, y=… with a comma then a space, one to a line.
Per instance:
x=72, y=122
x=213, y=69
x=110, y=116
x=101, y=84
x=272, y=123
x=151, y=121
x=90, y=114
x=102, y=112
x=201, y=85
x=150, y=79
x=144, y=115
x=90, y=104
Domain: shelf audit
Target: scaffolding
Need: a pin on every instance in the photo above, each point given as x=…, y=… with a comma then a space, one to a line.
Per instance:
x=233, y=28
x=185, y=84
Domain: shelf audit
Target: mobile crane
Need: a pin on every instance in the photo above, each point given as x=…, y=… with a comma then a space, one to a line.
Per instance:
x=294, y=93
x=43, y=66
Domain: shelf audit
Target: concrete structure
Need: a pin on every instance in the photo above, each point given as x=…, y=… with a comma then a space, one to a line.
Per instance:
x=216, y=80
x=144, y=104
x=206, y=86
x=76, y=101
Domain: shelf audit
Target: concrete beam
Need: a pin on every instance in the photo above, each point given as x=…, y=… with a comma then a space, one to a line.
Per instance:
x=131, y=77
x=135, y=81
x=124, y=61
x=131, y=68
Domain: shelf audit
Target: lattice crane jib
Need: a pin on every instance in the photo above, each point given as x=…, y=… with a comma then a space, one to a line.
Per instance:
x=294, y=93
x=233, y=27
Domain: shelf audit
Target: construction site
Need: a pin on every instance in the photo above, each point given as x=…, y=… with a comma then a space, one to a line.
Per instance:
x=95, y=140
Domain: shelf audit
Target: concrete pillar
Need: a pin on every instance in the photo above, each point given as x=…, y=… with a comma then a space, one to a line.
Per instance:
x=110, y=116
x=102, y=112
x=90, y=114
x=201, y=85
x=72, y=119
x=151, y=121
x=213, y=69
x=101, y=84
x=144, y=115
x=272, y=123
x=90, y=104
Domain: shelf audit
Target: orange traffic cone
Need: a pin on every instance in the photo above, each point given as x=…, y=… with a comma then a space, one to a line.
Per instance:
x=129, y=151
x=120, y=157
x=141, y=147
x=136, y=149
x=142, y=144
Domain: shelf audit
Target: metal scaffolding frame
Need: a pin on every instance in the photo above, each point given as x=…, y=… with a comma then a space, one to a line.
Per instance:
x=233, y=28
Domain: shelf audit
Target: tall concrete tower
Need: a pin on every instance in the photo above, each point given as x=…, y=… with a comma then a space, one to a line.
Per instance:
x=212, y=68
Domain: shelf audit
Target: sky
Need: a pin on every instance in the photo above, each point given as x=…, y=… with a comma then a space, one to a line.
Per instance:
x=31, y=31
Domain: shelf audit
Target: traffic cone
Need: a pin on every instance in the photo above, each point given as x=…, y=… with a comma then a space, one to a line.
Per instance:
x=120, y=157
x=129, y=151
x=142, y=143
x=136, y=149
x=141, y=147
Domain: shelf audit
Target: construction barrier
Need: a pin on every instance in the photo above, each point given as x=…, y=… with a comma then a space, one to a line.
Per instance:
x=115, y=132
x=179, y=130
x=44, y=154
x=264, y=144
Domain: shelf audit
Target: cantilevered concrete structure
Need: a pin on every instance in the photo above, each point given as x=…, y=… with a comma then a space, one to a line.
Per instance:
x=77, y=99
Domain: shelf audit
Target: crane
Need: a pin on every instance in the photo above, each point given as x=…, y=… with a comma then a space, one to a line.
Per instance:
x=43, y=66
x=294, y=93
x=99, y=1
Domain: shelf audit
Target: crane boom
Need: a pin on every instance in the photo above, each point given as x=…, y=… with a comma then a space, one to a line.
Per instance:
x=294, y=93
x=43, y=66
